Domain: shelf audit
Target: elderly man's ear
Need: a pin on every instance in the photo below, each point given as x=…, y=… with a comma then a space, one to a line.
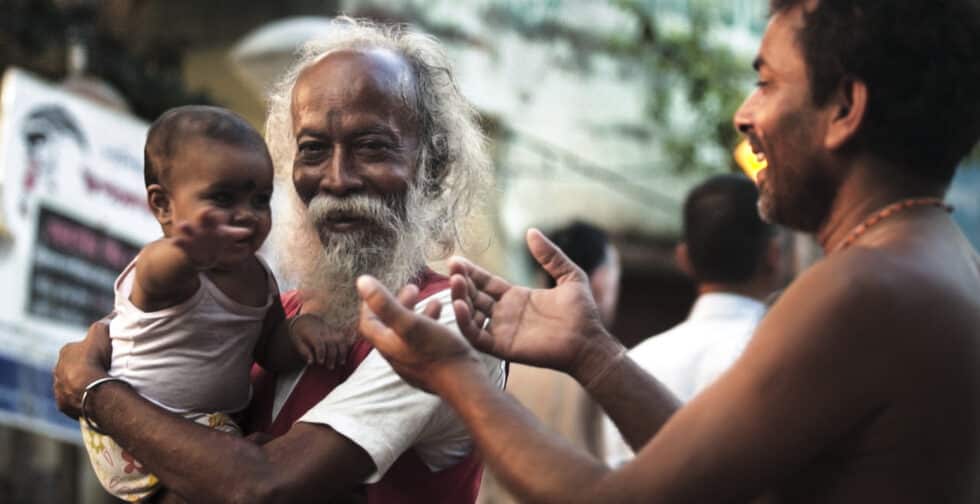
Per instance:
x=159, y=201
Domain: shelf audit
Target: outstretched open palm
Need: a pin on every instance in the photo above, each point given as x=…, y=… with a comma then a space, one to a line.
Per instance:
x=542, y=327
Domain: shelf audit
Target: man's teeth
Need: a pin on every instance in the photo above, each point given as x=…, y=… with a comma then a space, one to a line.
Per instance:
x=760, y=157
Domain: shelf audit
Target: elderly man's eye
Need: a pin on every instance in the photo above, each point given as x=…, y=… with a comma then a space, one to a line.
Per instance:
x=310, y=147
x=308, y=151
x=374, y=149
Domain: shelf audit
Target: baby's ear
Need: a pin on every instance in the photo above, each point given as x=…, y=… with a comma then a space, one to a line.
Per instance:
x=159, y=201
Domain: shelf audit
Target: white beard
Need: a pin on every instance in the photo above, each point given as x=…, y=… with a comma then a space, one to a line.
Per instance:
x=324, y=266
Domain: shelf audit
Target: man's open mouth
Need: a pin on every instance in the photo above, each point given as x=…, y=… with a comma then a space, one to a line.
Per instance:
x=760, y=155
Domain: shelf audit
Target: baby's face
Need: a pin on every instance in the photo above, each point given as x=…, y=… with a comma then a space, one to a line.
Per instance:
x=234, y=182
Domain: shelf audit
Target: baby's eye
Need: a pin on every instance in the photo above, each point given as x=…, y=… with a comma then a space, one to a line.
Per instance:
x=222, y=198
x=262, y=200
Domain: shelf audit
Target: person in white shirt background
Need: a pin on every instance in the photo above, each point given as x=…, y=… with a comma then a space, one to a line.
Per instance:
x=735, y=258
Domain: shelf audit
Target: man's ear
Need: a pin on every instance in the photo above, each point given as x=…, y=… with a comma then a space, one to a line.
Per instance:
x=159, y=201
x=850, y=104
x=683, y=259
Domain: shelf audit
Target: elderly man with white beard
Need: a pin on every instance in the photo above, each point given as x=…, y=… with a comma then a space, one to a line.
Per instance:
x=381, y=156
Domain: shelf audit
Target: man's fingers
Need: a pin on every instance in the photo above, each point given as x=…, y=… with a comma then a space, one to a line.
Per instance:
x=386, y=308
x=376, y=332
x=98, y=335
x=459, y=289
x=552, y=259
x=472, y=330
x=466, y=320
x=433, y=309
x=462, y=289
x=482, y=280
x=408, y=296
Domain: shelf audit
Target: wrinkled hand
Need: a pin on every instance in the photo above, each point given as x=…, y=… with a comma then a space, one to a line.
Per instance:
x=79, y=364
x=207, y=236
x=315, y=343
x=551, y=328
x=419, y=349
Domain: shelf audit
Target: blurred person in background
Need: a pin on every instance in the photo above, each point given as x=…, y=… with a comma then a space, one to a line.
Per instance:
x=589, y=247
x=735, y=259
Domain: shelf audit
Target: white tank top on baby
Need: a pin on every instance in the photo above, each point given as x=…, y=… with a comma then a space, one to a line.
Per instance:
x=195, y=356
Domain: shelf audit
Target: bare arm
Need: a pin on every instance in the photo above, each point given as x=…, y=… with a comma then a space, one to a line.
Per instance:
x=163, y=276
x=310, y=462
x=792, y=394
x=166, y=272
x=560, y=329
x=633, y=399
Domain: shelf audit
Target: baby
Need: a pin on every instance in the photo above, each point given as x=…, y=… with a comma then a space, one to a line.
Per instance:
x=197, y=307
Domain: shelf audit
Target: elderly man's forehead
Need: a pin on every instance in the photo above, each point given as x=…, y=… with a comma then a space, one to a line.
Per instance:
x=382, y=68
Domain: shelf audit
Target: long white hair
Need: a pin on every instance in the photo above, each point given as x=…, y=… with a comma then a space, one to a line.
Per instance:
x=453, y=162
x=453, y=165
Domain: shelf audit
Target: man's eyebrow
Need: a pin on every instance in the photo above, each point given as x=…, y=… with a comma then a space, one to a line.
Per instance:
x=309, y=132
x=376, y=129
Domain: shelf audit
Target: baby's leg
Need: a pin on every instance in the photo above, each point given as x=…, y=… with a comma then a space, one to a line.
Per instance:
x=122, y=475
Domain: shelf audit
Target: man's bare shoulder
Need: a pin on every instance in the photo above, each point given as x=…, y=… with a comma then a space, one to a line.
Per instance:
x=885, y=279
x=872, y=300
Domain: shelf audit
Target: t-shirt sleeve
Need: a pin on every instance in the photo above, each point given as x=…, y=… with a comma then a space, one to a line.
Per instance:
x=383, y=414
x=376, y=410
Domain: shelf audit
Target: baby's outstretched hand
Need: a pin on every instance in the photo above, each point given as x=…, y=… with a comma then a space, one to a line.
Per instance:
x=207, y=236
x=315, y=343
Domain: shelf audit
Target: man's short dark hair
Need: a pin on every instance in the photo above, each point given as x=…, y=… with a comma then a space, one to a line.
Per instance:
x=177, y=126
x=919, y=59
x=726, y=240
x=586, y=245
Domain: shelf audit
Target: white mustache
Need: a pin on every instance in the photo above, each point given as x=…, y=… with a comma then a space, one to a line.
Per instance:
x=324, y=207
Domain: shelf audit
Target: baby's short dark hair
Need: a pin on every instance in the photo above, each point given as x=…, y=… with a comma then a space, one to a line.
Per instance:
x=179, y=125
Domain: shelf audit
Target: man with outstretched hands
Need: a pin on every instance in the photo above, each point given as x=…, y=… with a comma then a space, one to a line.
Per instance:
x=861, y=384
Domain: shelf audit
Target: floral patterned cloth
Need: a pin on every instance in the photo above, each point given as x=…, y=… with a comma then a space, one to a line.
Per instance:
x=125, y=477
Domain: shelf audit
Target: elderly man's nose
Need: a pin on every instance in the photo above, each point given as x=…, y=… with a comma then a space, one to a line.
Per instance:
x=340, y=176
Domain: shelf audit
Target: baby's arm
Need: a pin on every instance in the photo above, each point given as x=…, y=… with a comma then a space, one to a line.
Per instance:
x=163, y=276
x=302, y=339
x=166, y=272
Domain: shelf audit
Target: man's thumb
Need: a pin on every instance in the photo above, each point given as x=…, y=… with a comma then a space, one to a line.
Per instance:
x=552, y=259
